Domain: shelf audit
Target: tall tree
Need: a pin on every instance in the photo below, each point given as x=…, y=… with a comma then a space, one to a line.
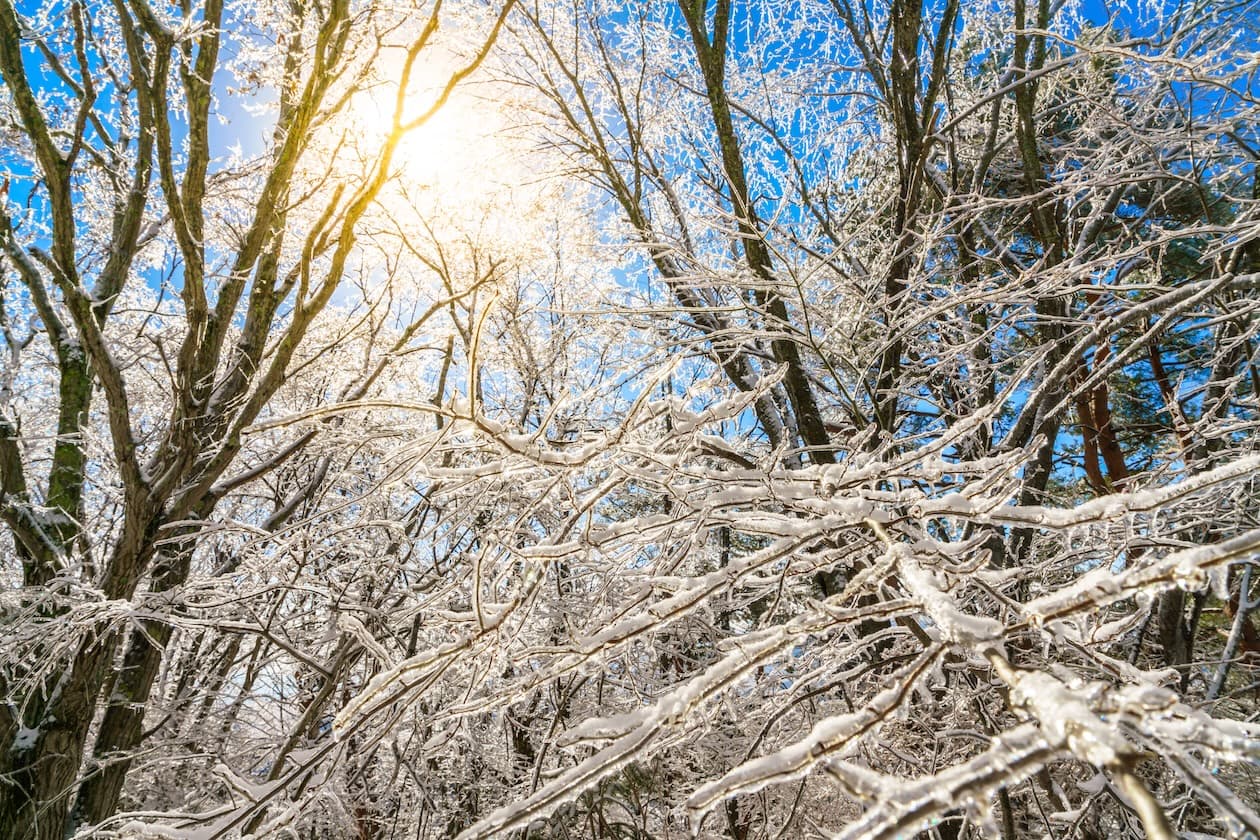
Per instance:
x=734, y=419
x=115, y=108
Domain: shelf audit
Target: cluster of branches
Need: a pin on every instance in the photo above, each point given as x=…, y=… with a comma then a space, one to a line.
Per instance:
x=861, y=442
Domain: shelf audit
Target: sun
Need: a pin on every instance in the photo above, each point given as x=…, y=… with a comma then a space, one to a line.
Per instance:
x=469, y=172
x=449, y=150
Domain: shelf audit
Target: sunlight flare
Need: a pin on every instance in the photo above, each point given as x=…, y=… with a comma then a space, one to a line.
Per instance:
x=454, y=148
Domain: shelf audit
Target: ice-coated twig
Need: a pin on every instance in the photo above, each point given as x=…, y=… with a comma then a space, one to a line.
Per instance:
x=638, y=733
x=902, y=807
x=831, y=737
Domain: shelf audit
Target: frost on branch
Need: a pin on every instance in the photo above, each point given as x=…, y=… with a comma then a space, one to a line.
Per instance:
x=629, y=419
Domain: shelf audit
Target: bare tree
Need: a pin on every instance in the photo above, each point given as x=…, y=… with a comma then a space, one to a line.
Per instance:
x=114, y=106
x=841, y=422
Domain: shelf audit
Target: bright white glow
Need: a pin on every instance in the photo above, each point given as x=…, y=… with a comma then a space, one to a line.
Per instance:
x=464, y=173
x=450, y=150
x=468, y=188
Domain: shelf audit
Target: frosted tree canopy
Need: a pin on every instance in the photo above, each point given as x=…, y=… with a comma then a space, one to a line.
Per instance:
x=630, y=419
